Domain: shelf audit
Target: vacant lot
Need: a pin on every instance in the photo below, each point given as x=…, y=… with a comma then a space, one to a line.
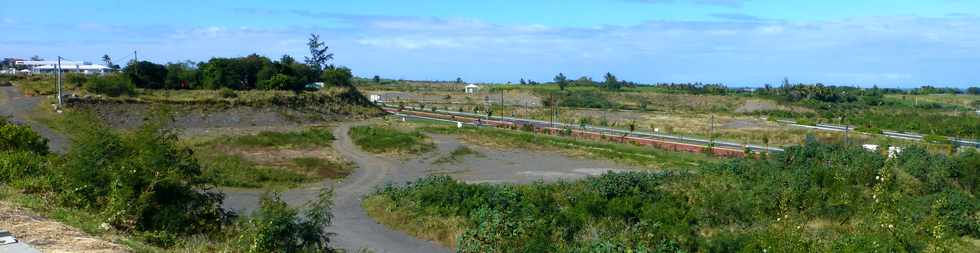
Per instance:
x=278, y=159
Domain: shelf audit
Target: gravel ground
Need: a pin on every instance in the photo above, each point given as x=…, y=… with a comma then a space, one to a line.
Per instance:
x=50, y=236
x=355, y=230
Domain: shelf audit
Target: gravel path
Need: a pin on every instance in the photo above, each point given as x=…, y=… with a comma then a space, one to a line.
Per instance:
x=354, y=229
x=19, y=107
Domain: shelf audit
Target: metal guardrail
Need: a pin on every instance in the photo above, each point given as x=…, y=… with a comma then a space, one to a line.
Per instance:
x=603, y=130
x=886, y=133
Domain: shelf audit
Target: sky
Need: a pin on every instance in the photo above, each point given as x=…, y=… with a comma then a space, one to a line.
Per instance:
x=889, y=43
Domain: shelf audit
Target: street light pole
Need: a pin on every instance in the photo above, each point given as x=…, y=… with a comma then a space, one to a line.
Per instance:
x=60, y=104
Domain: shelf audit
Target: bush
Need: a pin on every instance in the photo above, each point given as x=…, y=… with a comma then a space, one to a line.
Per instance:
x=911, y=203
x=21, y=138
x=226, y=92
x=139, y=181
x=19, y=165
x=276, y=227
x=111, y=85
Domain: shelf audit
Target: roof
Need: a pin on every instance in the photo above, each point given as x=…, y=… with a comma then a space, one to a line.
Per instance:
x=74, y=66
x=472, y=86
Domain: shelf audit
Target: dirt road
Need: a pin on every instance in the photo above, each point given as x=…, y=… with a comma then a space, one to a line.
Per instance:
x=353, y=228
x=18, y=107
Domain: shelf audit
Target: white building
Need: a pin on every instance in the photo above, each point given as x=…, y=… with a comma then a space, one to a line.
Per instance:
x=472, y=88
x=66, y=66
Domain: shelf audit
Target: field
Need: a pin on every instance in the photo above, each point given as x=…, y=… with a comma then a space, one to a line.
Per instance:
x=736, y=117
x=734, y=206
x=271, y=159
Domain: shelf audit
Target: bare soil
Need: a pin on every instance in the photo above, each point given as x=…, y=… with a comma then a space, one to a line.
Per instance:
x=50, y=236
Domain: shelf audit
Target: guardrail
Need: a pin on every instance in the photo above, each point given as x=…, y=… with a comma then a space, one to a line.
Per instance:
x=636, y=135
x=886, y=133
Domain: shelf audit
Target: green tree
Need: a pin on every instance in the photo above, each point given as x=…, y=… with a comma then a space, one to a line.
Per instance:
x=146, y=74
x=376, y=79
x=562, y=81
x=612, y=83
x=318, y=55
x=107, y=60
x=338, y=77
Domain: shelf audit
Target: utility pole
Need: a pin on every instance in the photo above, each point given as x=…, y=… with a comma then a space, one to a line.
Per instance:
x=711, y=132
x=60, y=104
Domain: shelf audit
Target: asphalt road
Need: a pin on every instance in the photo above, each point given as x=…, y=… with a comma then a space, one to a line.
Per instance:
x=18, y=107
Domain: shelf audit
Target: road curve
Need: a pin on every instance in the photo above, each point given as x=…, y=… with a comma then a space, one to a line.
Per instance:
x=19, y=107
x=354, y=229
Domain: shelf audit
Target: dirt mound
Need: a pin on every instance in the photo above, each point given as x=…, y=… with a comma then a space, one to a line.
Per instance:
x=50, y=236
x=131, y=114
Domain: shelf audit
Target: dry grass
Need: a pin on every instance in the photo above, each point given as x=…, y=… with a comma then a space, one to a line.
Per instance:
x=284, y=164
x=48, y=235
x=443, y=230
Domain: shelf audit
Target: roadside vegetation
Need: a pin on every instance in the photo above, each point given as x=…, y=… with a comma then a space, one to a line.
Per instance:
x=383, y=139
x=457, y=155
x=624, y=153
x=813, y=198
x=614, y=103
x=271, y=159
x=143, y=186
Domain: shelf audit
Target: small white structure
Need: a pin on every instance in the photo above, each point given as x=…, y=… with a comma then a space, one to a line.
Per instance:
x=374, y=98
x=66, y=66
x=894, y=152
x=472, y=88
x=870, y=147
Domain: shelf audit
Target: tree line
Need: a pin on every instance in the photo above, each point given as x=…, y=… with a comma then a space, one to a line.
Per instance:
x=252, y=72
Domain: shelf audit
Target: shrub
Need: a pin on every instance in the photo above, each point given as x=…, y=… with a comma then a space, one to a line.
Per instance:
x=19, y=165
x=139, y=181
x=226, y=92
x=914, y=202
x=21, y=138
x=276, y=227
x=111, y=85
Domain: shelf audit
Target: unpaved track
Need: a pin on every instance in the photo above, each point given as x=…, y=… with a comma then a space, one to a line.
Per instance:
x=19, y=107
x=354, y=229
x=351, y=223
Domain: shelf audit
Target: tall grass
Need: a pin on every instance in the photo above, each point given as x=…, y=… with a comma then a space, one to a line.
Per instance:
x=624, y=153
x=380, y=139
x=315, y=137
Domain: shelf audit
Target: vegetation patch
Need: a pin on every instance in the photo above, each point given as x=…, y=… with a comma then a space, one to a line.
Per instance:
x=813, y=198
x=442, y=230
x=457, y=155
x=146, y=187
x=387, y=139
x=276, y=159
x=316, y=137
x=624, y=153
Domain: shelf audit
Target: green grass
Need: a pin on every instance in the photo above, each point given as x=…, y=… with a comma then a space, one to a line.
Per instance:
x=236, y=171
x=381, y=139
x=622, y=153
x=316, y=137
x=244, y=161
x=323, y=167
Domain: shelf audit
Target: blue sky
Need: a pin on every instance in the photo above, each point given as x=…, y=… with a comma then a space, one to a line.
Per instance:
x=897, y=43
